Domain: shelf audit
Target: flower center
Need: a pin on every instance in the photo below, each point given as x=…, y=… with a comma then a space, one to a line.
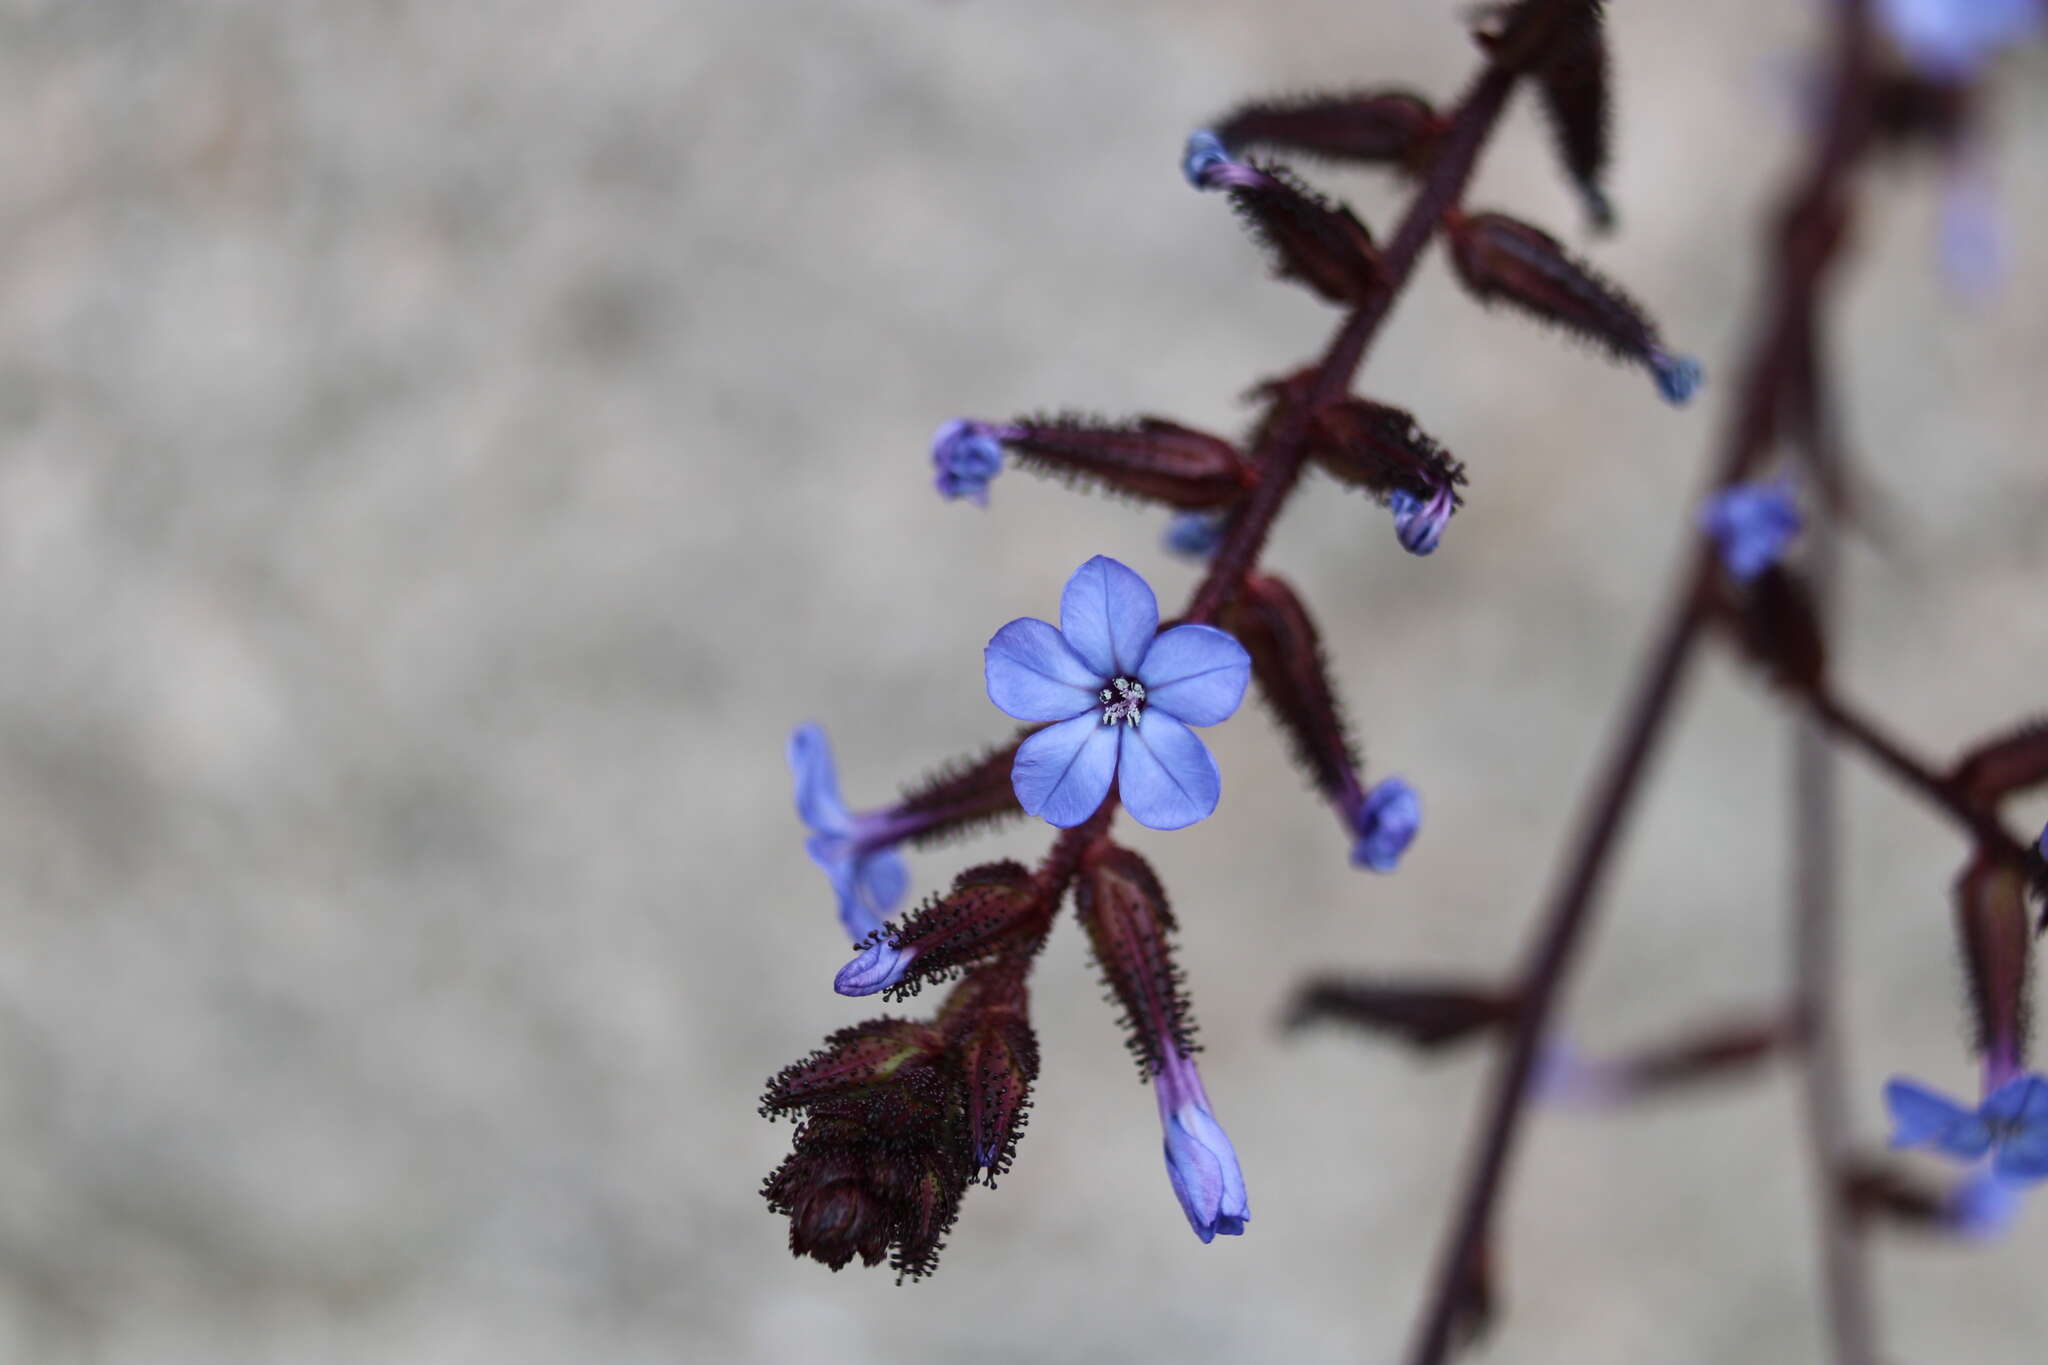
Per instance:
x=1123, y=700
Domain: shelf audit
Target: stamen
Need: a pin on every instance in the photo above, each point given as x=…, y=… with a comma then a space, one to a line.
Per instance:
x=1126, y=705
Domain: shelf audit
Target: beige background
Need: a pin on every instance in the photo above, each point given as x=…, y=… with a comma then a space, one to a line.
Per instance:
x=445, y=447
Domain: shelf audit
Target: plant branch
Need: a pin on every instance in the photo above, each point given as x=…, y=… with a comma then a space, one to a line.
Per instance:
x=1808, y=238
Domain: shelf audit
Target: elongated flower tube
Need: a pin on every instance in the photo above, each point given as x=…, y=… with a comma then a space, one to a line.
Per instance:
x=987, y=910
x=1120, y=695
x=1379, y=127
x=857, y=850
x=1320, y=244
x=1991, y=926
x=1287, y=659
x=1200, y=1160
x=1501, y=259
x=1149, y=457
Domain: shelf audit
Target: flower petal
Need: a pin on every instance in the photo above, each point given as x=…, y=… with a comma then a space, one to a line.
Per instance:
x=1196, y=673
x=1165, y=774
x=2023, y=1156
x=817, y=781
x=1034, y=674
x=879, y=879
x=1923, y=1118
x=1064, y=771
x=2021, y=1100
x=1109, y=616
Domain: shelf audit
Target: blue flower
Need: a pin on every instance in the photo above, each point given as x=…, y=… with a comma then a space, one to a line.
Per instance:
x=965, y=456
x=1752, y=523
x=1200, y=1161
x=1952, y=39
x=1385, y=820
x=857, y=851
x=1122, y=696
x=1418, y=523
x=1195, y=535
x=2012, y=1125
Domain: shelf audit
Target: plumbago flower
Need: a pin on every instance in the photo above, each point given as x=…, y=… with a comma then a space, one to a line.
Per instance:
x=2012, y=1125
x=857, y=852
x=1120, y=695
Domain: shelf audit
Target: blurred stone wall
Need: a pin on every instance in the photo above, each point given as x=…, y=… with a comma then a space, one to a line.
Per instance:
x=445, y=447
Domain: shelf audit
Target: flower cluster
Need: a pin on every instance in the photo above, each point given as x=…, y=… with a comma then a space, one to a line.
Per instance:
x=896, y=1118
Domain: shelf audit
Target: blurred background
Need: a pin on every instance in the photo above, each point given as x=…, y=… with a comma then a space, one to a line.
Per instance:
x=444, y=448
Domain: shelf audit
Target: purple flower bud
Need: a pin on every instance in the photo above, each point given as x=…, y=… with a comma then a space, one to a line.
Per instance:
x=1194, y=535
x=1420, y=524
x=1952, y=39
x=1752, y=523
x=878, y=967
x=965, y=456
x=1386, y=820
x=1678, y=376
x=1205, y=152
x=1200, y=1161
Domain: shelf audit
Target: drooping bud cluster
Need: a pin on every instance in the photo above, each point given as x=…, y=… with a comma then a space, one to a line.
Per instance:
x=1124, y=910
x=879, y=1162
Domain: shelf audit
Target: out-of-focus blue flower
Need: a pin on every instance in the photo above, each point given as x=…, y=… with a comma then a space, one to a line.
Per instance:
x=1419, y=523
x=1200, y=1161
x=1752, y=523
x=857, y=851
x=1972, y=237
x=1121, y=696
x=1983, y=1205
x=2042, y=842
x=1953, y=39
x=2012, y=1125
x=965, y=456
x=878, y=967
x=1385, y=820
x=1195, y=535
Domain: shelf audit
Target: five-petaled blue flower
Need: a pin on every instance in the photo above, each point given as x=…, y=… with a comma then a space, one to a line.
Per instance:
x=1751, y=523
x=1122, y=696
x=2012, y=1125
x=857, y=851
x=1200, y=1161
